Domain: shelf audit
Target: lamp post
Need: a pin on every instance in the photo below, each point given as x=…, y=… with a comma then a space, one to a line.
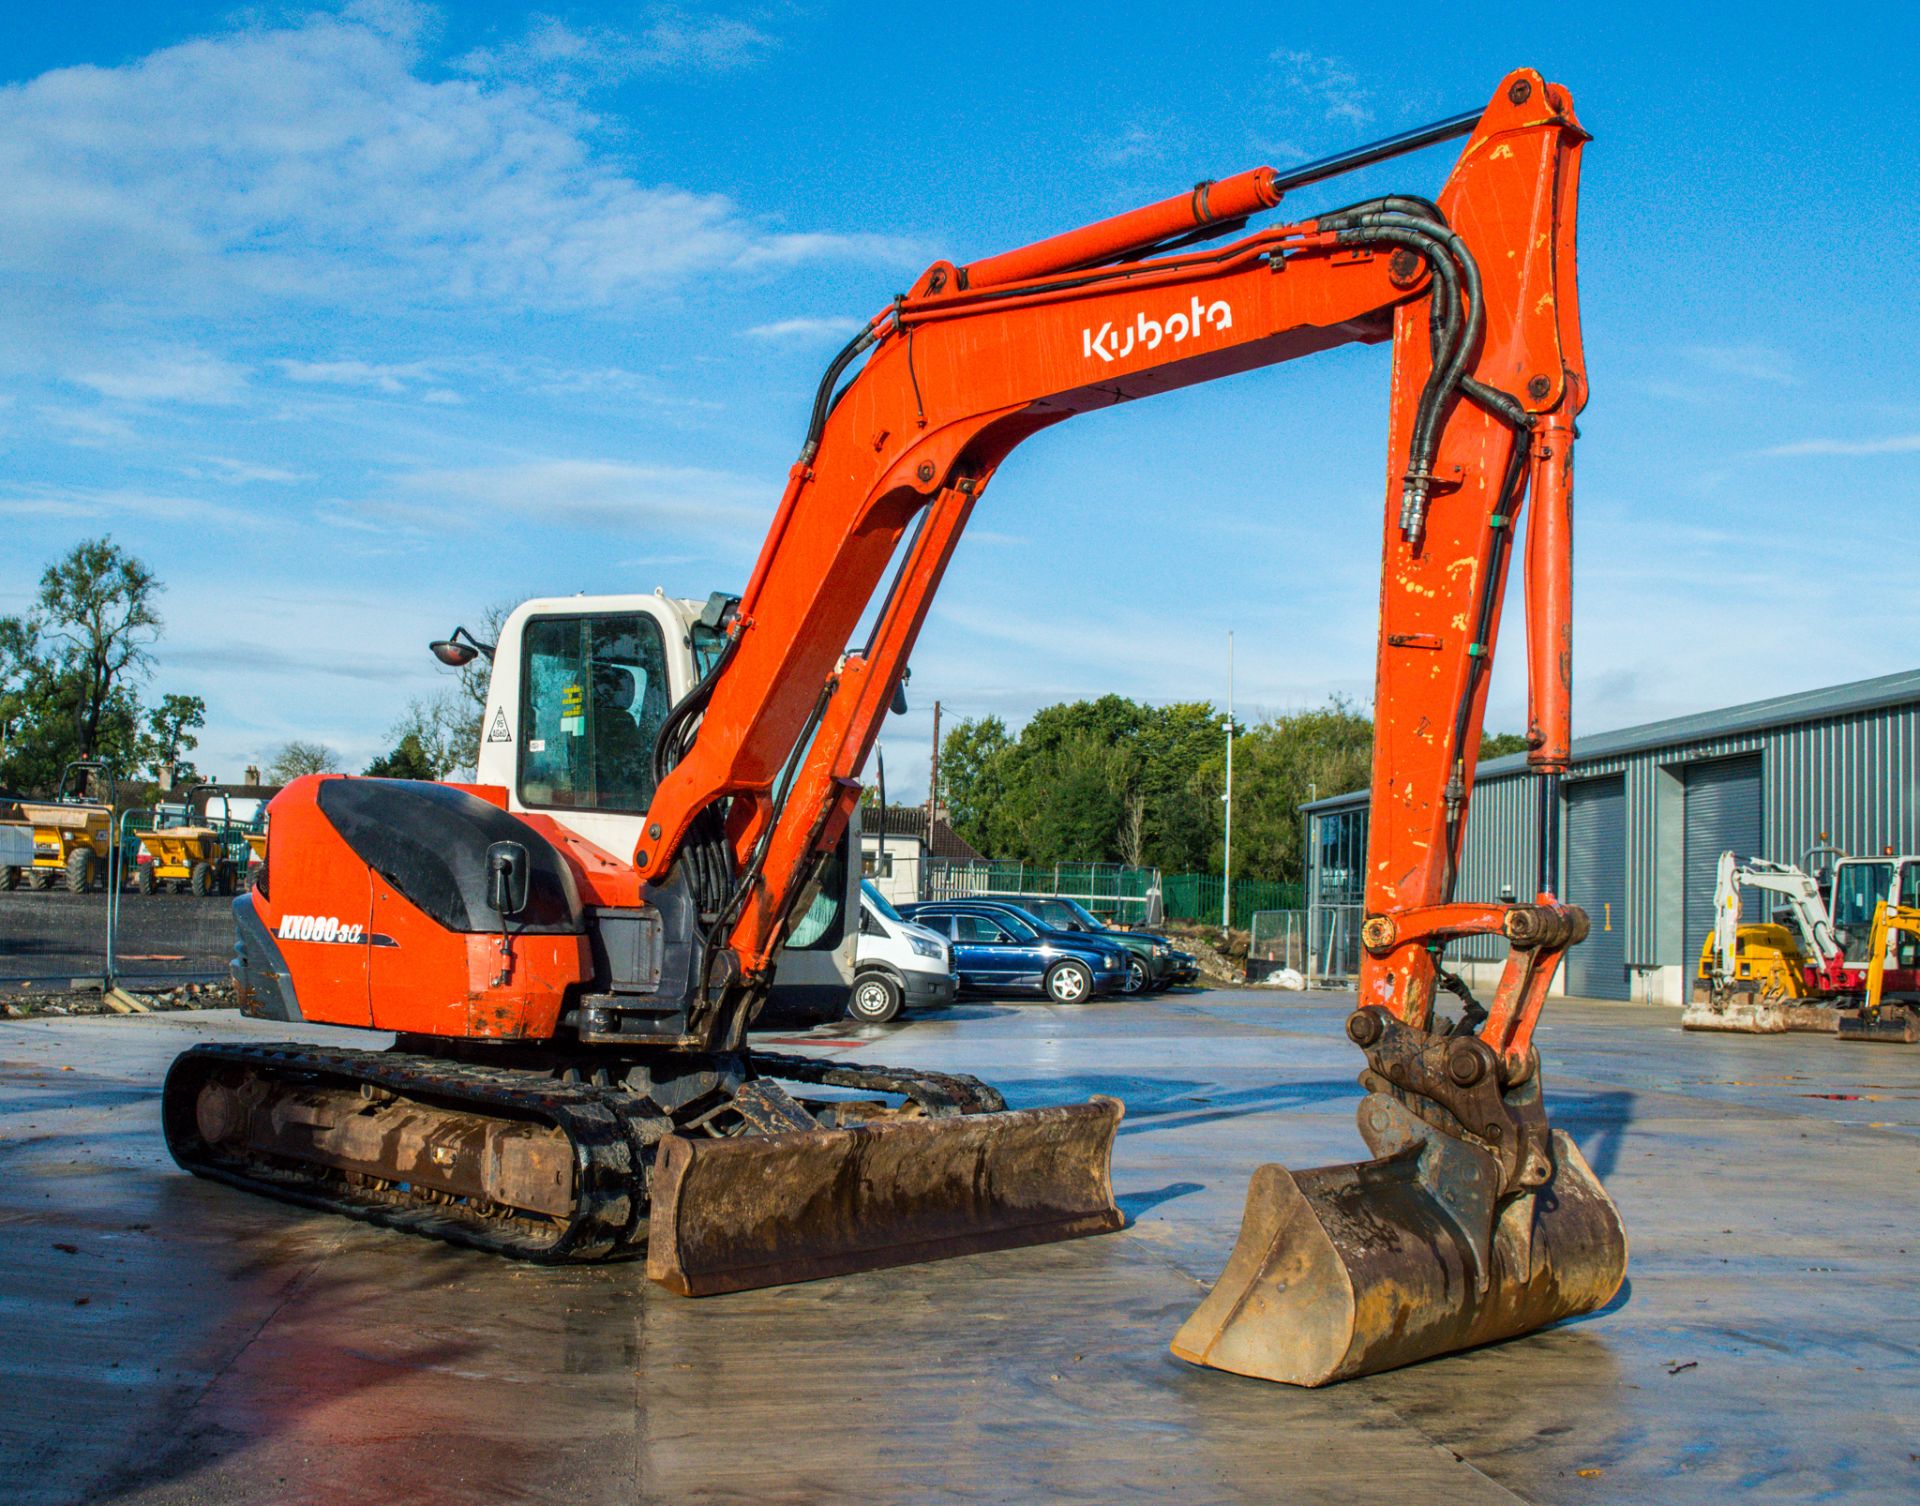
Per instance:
x=1226, y=885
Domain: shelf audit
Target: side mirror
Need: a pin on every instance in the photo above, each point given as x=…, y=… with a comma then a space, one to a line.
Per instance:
x=900, y=700
x=507, y=876
x=459, y=649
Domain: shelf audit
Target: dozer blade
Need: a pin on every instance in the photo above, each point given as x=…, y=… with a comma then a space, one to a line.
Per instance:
x=1743, y=1017
x=1347, y=1270
x=1893, y=1026
x=761, y=1210
x=1762, y=1017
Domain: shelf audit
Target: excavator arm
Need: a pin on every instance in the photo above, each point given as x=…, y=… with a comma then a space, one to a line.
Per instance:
x=1475, y=1220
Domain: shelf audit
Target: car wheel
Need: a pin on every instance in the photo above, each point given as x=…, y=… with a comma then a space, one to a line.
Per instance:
x=1136, y=975
x=80, y=864
x=875, y=999
x=9, y=878
x=39, y=878
x=200, y=878
x=1069, y=983
x=143, y=878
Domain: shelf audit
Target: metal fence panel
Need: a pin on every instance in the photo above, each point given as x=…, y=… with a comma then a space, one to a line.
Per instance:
x=1119, y=891
x=1279, y=941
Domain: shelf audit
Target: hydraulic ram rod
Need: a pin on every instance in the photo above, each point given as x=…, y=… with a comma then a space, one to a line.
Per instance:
x=1224, y=204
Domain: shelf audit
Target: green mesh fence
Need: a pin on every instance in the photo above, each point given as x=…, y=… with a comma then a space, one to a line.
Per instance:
x=1197, y=896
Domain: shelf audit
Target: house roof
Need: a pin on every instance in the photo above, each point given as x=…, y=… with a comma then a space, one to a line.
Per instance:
x=1701, y=726
x=911, y=821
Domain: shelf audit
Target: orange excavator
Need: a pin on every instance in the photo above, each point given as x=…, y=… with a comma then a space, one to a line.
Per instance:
x=572, y=1079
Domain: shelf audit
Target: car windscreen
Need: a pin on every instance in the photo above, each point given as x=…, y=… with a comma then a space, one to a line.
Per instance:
x=1057, y=913
x=1014, y=923
x=880, y=902
x=1086, y=918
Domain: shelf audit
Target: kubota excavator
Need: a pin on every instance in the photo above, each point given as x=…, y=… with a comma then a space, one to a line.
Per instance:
x=572, y=1078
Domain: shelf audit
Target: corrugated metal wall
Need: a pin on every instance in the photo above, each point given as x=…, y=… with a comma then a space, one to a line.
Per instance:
x=1502, y=843
x=1855, y=777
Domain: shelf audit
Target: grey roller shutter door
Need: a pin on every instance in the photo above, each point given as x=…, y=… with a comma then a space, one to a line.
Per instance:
x=1596, y=836
x=1723, y=813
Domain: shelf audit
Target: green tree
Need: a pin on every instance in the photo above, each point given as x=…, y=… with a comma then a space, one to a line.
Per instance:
x=170, y=729
x=1066, y=800
x=1277, y=766
x=292, y=759
x=409, y=759
x=1499, y=744
x=97, y=613
x=71, y=666
x=973, y=777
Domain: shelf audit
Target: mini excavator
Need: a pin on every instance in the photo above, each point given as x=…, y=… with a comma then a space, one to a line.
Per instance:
x=571, y=1077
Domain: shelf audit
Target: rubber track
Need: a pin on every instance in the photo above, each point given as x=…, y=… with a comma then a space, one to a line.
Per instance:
x=611, y=1143
x=611, y=1133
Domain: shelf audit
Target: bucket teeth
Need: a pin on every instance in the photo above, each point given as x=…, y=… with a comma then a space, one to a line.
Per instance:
x=1347, y=1270
x=762, y=1210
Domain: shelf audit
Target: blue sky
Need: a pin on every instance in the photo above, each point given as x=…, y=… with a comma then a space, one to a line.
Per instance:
x=354, y=321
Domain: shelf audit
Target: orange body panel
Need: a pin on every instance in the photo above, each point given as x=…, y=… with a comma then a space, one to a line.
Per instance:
x=360, y=953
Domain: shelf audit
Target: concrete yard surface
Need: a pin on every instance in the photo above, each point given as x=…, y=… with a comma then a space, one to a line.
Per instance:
x=164, y=1339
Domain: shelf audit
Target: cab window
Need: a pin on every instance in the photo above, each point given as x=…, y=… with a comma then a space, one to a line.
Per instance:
x=593, y=694
x=976, y=928
x=1857, y=889
x=821, y=927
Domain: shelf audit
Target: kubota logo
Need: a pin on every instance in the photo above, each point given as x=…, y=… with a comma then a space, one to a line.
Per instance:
x=1116, y=345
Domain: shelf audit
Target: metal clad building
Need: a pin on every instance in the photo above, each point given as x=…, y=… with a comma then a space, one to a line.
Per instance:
x=1645, y=815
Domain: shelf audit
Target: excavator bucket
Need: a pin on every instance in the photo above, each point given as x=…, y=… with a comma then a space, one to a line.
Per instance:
x=1347, y=1270
x=761, y=1210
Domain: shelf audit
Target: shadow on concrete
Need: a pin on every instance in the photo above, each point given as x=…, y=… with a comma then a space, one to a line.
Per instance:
x=1598, y=1120
x=1156, y=1103
x=1133, y=1204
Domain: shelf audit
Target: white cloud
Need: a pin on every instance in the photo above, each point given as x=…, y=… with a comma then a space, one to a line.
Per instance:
x=1326, y=87
x=167, y=376
x=573, y=58
x=1892, y=444
x=246, y=472
x=315, y=161
x=88, y=427
x=115, y=504
x=1750, y=362
x=381, y=377
x=719, y=507
x=805, y=329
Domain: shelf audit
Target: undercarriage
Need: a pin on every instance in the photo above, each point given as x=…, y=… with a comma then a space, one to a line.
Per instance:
x=558, y=1160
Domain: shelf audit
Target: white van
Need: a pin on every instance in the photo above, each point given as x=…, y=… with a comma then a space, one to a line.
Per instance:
x=898, y=965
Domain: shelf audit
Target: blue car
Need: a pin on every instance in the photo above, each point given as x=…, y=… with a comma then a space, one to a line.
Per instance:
x=1000, y=949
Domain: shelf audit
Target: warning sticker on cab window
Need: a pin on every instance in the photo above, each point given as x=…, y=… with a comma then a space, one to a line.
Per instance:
x=498, y=732
x=573, y=707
